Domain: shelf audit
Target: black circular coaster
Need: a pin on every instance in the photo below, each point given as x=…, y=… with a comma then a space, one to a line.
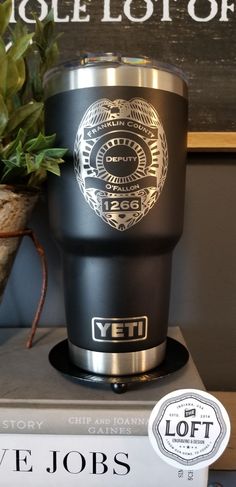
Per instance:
x=176, y=357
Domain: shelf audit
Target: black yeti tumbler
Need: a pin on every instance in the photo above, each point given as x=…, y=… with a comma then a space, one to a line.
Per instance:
x=117, y=209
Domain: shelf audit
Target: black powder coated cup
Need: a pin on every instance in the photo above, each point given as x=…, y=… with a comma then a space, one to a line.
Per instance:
x=117, y=209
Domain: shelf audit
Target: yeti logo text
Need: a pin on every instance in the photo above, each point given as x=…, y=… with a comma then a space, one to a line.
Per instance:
x=121, y=159
x=119, y=329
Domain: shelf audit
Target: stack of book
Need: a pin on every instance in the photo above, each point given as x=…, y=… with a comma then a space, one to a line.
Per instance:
x=57, y=431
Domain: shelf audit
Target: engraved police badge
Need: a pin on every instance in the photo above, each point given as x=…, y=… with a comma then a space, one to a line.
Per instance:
x=121, y=159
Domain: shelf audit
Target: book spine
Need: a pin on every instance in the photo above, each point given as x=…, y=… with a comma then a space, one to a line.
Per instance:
x=74, y=421
x=60, y=460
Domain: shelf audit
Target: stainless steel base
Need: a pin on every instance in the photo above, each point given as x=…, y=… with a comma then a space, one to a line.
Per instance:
x=127, y=363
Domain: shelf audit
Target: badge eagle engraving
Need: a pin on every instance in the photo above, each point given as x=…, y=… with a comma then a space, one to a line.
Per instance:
x=121, y=160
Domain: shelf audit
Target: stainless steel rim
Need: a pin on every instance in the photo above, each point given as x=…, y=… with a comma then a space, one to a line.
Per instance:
x=127, y=363
x=109, y=72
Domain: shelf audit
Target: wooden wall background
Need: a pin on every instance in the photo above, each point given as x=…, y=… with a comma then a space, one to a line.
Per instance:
x=199, y=37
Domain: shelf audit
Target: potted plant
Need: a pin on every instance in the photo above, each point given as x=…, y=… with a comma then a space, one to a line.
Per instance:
x=26, y=154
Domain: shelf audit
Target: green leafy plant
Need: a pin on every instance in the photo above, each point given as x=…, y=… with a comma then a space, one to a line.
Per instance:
x=26, y=153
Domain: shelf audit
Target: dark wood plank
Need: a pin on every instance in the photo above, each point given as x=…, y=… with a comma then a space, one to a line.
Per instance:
x=205, y=50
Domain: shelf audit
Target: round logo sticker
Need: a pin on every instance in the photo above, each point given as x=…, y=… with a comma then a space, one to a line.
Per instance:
x=189, y=429
x=121, y=159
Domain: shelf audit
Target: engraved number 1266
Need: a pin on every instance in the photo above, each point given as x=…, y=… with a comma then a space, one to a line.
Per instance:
x=121, y=204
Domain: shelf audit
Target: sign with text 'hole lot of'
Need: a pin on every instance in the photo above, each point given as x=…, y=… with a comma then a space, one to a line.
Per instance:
x=195, y=35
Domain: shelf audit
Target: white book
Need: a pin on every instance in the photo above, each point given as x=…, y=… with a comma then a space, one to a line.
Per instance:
x=89, y=461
